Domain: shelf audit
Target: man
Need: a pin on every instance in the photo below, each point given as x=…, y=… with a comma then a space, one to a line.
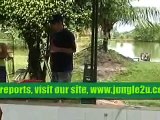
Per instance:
x=3, y=56
x=62, y=48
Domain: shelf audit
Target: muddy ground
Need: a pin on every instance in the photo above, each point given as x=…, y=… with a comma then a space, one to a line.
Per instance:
x=109, y=69
x=109, y=65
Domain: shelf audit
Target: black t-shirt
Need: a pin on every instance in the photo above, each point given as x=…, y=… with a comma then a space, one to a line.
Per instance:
x=62, y=62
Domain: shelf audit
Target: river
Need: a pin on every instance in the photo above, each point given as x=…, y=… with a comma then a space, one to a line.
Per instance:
x=134, y=49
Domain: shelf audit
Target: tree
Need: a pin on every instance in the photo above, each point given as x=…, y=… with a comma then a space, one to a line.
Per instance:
x=122, y=11
x=31, y=18
x=113, y=11
x=148, y=33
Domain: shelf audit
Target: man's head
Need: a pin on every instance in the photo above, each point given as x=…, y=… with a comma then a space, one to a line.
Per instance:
x=56, y=23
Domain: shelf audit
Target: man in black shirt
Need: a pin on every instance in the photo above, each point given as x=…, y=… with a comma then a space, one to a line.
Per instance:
x=62, y=48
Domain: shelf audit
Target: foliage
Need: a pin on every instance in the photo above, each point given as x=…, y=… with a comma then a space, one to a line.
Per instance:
x=125, y=36
x=148, y=33
x=123, y=12
x=23, y=12
x=31, y=18
x=113, y=11
x=138, y=16
x=12, y=39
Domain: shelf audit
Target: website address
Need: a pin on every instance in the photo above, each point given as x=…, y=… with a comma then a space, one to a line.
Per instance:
x=125, y=90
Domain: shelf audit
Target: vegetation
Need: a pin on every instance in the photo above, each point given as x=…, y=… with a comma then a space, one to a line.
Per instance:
x=111, y=13
x=125, y=36
x=148, y=103
x=140, y=34
x=147, y=34
x=140, y=72
x=12, y=39
x=30, y=18
x=136, y=72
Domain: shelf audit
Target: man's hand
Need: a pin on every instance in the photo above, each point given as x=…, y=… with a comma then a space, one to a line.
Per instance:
x=59, y=49
x=55, y=49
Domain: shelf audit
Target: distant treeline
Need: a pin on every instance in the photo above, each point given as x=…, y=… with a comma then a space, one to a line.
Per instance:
x=13, y=41
x=149, y=33
x=141, y=33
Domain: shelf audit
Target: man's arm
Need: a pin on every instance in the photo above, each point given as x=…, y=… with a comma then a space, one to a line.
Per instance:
x=59, y=49
x=65, y=50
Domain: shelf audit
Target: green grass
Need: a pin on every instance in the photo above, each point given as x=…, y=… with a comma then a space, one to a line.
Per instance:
x=136, y=72
x=77, y=76
x=20, y=59
x=20, y=62
x=82, y=43
x=140, y=72
x=148, y=103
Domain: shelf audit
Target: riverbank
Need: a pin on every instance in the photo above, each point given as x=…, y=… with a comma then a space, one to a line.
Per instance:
x=112, y=67
x=109, y=64
x=115, y=67
x=140, y=72
x=123, y=40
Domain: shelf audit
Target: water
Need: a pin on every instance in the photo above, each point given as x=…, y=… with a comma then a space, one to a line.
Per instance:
x=134, y=49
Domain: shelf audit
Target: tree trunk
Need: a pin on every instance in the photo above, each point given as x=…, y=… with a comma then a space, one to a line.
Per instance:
x=44, y=72
x=105, y=40
x=34, y=65
x=32, y=37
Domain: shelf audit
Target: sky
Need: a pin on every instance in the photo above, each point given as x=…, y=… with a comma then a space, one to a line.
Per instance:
x=141, y=3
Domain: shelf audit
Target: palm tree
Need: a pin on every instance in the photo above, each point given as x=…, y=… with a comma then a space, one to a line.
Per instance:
x=122, y=11
x=113, y=11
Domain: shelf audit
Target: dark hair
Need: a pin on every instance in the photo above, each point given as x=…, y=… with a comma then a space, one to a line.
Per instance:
x=56, y=19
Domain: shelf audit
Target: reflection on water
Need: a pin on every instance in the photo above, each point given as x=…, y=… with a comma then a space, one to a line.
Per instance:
x=134, y=49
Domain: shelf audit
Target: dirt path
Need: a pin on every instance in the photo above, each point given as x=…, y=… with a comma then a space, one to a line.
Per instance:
x=109, y=65
x=110, y=102
x=108, y=70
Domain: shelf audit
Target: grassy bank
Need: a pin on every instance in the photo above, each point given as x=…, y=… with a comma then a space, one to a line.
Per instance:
x=148, y=103
x=20, y=62
x=135, y=71
x=122, y=40
x=140, y=72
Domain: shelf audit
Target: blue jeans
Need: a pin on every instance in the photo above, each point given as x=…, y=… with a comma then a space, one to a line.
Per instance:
x=3, y=74
x=61, y=76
